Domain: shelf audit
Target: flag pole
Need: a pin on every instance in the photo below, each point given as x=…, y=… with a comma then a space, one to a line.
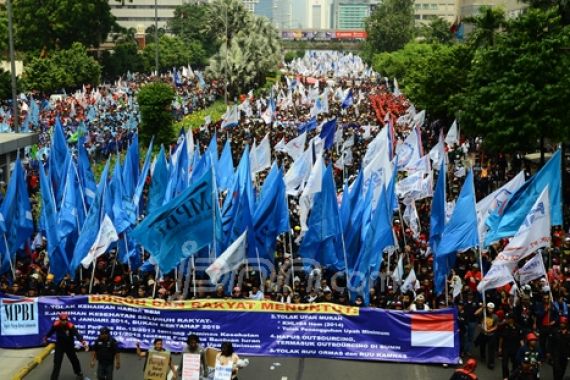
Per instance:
x=155, y=280
x=92, y=277
x=194, y=275
x=344, y=252
x=9, y=256
x=128, y=258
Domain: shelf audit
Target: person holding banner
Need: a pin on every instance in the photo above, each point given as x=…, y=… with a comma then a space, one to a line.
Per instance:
x=65, y=333
x=193, y=346
x=157, y=348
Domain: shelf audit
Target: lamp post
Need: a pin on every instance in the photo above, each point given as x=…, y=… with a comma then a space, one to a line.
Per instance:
x=16, y=116
x=157, y=42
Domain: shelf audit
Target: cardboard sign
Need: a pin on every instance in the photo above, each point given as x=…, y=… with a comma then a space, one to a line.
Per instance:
x=157, y=366
x=191, y=367
x=223, y=372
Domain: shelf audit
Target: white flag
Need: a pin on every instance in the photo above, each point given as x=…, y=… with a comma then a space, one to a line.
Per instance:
x=260, y=156
x=296, y=147
x=452, y=137
x=298, y=173
x=409, y=151
x=232, y=258
x=495, y=202
x=497, y=276
x=410, y=283
x=437, y=153
x=190, y=143
x=231, y=117
x=532, y=269
x=281, y=147
x=411, y=218
x=106, y=235
x=533, y=234
x=314, y=185
x=398, y=274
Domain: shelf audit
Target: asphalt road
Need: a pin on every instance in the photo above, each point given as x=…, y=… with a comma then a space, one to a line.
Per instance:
x=289, y=369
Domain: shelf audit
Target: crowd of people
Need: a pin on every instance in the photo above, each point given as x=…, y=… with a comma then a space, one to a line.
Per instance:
x=523, y=327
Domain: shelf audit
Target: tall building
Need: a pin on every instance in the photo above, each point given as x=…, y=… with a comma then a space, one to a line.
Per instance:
x=350, y=14
x=512, y=8
x=299, y=14
x=319, y=14
x=139, y=14
x=427, y=10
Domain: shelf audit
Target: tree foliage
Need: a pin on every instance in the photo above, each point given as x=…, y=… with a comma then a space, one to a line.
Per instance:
x=398, y=63
x=155, y=102
x=436, y=31
x=518, y=91
x=48, y=24
x=251, y=52
x=486, y=26
x=390, y=26
x=67, y=69
x=190, y=24
x=173, y=52
x=124, y=57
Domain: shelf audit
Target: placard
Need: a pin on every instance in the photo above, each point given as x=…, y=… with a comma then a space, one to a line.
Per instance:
x=157, y=365
x=191, y=366
x=223, y=372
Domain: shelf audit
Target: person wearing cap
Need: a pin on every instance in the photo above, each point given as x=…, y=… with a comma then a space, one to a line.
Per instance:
x=524, y=371
x=531, y=351
x=467, y=372
x=559, y=348
x=510, y=337
x=65, y=335
x=488, y=336
x=419, y=304
x=105, y=351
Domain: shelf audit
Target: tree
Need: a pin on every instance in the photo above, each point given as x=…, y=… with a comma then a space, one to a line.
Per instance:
x=518, y=88
x=225, y=19
x=189, y=23
x=173, y=52
x=397, y=64
x=437, y=80
x=67, y=69
x=125, y=57
x=42, y=25
x=389, y=27
x=155, y=102
x=437, y=31
x=487, y=23
x=561, y=6
x=250, y=55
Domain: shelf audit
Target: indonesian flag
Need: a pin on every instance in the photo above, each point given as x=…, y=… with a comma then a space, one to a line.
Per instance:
x=432, y=330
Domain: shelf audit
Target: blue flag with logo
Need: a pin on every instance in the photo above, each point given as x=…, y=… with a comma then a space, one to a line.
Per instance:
x=181, y=227
x=507, y=222
x=225, y=168
x=158, y=182
x=459, y=234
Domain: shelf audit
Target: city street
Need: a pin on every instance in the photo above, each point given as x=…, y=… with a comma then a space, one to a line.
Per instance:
x=288, y=369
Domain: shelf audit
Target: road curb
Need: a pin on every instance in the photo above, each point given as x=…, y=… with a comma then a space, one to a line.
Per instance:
x=24, y=371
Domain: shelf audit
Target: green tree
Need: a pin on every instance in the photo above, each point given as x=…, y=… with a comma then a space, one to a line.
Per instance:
x=397, y=64
x=189, y=23
x=124, y=57
x=437, y=31
x=436, y=81
x=225, y=19
x=389, y=27
x=173, y=52
x=155, y=102
x=561, y=6
x=42, y=25
x=67, y=69
x=518, y=88
x=486, y=25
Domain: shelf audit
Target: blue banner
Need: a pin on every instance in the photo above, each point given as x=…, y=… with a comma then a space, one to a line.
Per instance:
x=256, y=328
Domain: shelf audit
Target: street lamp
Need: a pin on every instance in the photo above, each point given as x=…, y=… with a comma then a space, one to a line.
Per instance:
x=157, y=42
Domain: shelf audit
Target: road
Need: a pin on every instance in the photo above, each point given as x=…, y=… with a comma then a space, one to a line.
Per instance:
x=289, y=369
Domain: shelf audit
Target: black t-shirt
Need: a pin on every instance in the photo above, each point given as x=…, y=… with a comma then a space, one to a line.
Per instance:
x=105, y=350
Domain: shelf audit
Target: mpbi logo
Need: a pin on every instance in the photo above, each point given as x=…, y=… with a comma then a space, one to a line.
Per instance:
x=19, y=317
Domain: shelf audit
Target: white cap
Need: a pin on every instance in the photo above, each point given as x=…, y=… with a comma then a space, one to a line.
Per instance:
x=491, y=305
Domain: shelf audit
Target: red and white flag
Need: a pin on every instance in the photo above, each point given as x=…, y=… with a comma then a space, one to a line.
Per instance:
x=432, y=330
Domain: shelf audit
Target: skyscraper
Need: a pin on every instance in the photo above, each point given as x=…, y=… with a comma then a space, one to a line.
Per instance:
x=350, y=14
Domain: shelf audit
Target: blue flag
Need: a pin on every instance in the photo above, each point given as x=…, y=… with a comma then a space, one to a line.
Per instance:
x=59, y=262
x=88, y=186
x=307, y=126
x=158, y=182
x=348, y=100
x=73, y=208
x=507, y=223
x=57, y=155
x=181, y=227
x=271, y=215
x=131, y=168
x=16, y=224
x=327, y=133
x=322, y=241
x=459, y=234
x=225, y=168
x=437, y=218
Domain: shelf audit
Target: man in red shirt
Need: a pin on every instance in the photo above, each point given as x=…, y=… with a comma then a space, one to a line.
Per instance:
x=473, y=277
